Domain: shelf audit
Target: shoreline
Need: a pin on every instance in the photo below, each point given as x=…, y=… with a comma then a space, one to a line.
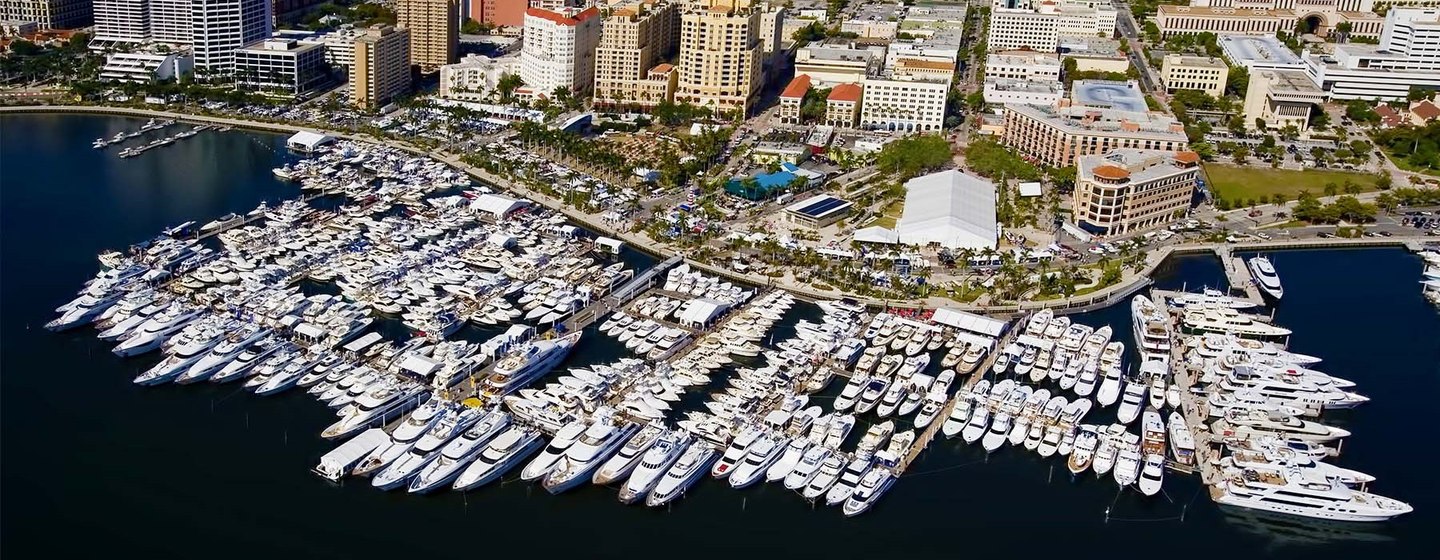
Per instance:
x=1099, y=299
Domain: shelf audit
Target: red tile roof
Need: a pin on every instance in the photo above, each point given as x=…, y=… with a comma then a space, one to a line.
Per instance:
x=1425, y=110
x=561, y=18
x=797, y=87
x=844, y=92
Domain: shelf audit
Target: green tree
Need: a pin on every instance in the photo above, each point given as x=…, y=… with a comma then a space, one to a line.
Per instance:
x=908, y=157
x=1383, y=181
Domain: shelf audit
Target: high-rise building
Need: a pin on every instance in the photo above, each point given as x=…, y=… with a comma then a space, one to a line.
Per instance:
x=559, y=50
x=281, y=66
x=381, y=69
x=635, y=38
x=1407, y=57
x=213, y=28
x=219, y=27
x=49, y=14
x=434, y=31
x=720, y=55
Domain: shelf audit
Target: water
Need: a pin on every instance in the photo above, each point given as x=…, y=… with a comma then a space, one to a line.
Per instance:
x=94, y=463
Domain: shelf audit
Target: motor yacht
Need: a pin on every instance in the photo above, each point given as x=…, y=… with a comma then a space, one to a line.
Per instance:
x=456, y=455
x=543, y=463
x=499, y=456
x=1263, y=272
x=682, y=475
x=580, y=461
x=1296, y=493
x=619, y=466
x=653, y=465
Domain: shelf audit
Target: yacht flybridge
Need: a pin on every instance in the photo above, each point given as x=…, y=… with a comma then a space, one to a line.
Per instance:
x=1263, y=272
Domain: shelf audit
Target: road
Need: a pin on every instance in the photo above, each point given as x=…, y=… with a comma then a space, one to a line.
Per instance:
x=1131, y=32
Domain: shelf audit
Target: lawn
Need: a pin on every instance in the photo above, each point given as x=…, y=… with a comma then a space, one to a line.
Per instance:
x=891, y=214
x=1244, y=183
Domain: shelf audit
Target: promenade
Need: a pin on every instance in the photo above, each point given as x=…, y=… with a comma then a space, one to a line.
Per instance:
x=1131, y=282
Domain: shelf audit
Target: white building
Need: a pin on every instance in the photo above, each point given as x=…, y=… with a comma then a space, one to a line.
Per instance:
x=281, y=66
x=340, y=46
x=1000, y=91
x=1408, y=56
x=1256, y=53
x=1042, y=28
x=950, y=208
x=1023, y=65
x=897, y=102
x=146, y=66
x=559, y=50
x=832, y=64
x=475, y=77
x=219, y=27
x=141, y=21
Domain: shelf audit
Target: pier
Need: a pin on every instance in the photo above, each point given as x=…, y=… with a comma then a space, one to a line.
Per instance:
x=925, y=437
x=1237, y=274
x=1192, y=405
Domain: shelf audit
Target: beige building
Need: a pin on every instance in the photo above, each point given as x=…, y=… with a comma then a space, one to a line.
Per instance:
x=842, y=106
x=1128, y=191
x=1265, y=17
x=720, y=55
x=1057, y=136
x=475, y=77
x=635, y=38
x=381, y=70
x=558, y=50
x=1203, y=73
x=1281, y=98
x=792, y=99
x=434, y=27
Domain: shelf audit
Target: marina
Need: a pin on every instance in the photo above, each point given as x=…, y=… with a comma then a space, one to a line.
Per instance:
x=898, y=499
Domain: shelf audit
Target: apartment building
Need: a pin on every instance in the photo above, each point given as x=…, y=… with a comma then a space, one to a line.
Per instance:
x=1042, y=28
x=635, y=38
x=842, y=106
x=434, y=31
x=1127, y=191
x=1023, y=65
x=559, y=50
x=381, y=69
x=720, y=55
x=792, y=98
x=475, y=77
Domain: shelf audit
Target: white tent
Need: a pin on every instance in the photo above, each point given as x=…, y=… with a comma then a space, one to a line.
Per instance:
x=306, y=141
x=700, y=312
x=951, y=208
x=969, y=321
x=419, y=366
x=876, y=234
x=497, y=205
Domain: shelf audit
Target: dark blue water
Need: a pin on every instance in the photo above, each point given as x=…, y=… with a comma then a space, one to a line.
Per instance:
x=94, y=465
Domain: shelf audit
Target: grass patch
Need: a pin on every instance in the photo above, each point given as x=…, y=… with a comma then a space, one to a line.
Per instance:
x=1405, y=164
x=1289, y=224
x=1238, y=184
x=889, y=216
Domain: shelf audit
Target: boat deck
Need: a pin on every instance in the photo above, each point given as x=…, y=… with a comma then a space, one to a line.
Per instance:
x=1193, y=406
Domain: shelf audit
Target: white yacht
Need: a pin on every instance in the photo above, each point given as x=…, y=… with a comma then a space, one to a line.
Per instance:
x=734, y=453
x=600, y=440
x=629, y=456
x=545, y=461
x=682, y=475
x=849, y=480
x=1132, y=401
x=1265, y=277
x=653, y=465
x=1295, y=493
x=759, y=456
x=458, y=454
x=452, y=424
x=825, y=476
x=533, y=360
x=1152, y=474
x=871, y=487
x=377, y=404
x=794, y=450
x=807, y=467
x=499, y=456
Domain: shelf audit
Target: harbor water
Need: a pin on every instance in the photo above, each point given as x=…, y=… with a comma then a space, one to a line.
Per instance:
x=94, y=464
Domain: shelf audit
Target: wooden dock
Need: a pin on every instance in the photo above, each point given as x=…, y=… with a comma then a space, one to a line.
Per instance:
x=1238, y=275
x=1193, y=406
x=925, y=437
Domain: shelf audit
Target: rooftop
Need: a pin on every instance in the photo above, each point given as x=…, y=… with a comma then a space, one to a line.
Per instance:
x=1095, y=120
x=797, y=87
x=1136, y=165
x=820, y=206
x=1089, y=46
x=1123, y=96
x=1010, y=84
x=1291, y=82
x=845, y=92
x=1021, y=58
x=1264, y=49
x=1202, y=61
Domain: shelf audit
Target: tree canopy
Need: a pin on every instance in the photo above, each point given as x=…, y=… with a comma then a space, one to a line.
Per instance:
x=908, y=157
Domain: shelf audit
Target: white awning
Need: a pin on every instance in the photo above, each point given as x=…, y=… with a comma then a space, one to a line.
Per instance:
x=950, y=208
x=309, y=331
x=338, y=461
x=702, y=311
x=420, y=365
x=876, y=234
x=1035, y=341
x=969, y=321
x=497, y=205
x=360, y=344
x=307, y=141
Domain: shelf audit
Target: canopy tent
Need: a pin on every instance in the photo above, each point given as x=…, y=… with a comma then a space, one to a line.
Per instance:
x=876, y=234
x=1035, y=341
x=950, y=208
x=700, y=312
x=306, y=141
x=420, y=366
x=309, y=331
x=337, y=463
x=496, y=205
x=360, y=344
x=969, y=321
